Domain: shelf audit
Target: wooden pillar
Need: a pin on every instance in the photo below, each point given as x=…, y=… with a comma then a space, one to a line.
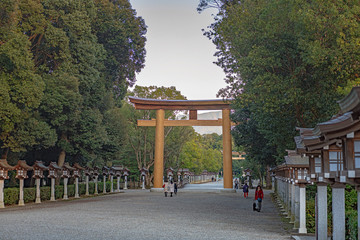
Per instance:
x=159, y=149
x=227, y=149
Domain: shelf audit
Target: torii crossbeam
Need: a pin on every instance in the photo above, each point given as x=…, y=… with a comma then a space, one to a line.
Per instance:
x=193, y=106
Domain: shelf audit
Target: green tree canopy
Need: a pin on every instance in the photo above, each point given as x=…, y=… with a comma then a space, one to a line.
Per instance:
x=286, y=66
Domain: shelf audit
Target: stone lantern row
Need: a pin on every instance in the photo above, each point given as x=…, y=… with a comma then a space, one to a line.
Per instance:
x=54, y=171
x=185, y=176
x=332, y=152
x=289, y=181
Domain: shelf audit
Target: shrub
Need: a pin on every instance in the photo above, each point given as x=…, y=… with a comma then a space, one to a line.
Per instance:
x=310, y=216
x=351, y=224
x=11, y=196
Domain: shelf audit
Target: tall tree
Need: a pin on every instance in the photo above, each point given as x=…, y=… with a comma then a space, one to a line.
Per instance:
x=21, y=88
x=279, y=61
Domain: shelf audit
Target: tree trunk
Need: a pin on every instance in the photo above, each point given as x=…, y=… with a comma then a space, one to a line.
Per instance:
x=268, y=178
x=61, y=159
x=5, y=152
x=62, y=155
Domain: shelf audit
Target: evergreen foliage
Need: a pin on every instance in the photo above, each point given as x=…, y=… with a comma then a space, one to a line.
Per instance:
x=65, y=66
x=287, y=62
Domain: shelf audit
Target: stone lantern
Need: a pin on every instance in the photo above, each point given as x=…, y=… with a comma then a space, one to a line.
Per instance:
x=204, y=176
x=53, y=174
x=117, y=171
x=126, y=173
x=38, y=173
x=66, y=174
x=96, y=176
x=143, y=172
x=88, y=173
x=77, y=175
x=111, y=173
x=192, y=176
x=179, y=175
x=105, y=173
x=21, y=173
x=170, y=173
x=4, y=168
x=248, y=176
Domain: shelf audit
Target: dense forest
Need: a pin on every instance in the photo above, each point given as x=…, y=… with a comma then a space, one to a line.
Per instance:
x=66, y=68
x=286, y=63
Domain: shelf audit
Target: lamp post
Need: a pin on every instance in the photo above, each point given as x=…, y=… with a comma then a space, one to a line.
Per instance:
x=126, y=172
x=53, y=174
x=4, y=168
x=21, y=173
x=143, y=172
x=77, y=175
x=38, y=174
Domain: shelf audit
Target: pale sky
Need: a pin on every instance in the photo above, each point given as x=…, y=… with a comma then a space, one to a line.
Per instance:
x=178, y=54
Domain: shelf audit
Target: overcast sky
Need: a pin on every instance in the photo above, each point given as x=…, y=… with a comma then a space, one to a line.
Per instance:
x=177, y=52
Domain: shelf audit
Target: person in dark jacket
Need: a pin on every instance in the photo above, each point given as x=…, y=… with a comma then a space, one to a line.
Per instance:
x=259, y=196
x=246, y=190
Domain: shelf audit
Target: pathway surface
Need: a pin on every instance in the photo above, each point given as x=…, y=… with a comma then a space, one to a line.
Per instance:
x=140, y=214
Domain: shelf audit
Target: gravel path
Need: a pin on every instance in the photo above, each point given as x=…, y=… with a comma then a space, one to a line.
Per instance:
x=145, y=215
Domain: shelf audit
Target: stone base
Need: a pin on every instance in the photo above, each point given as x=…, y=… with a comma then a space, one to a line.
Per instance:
x=228, y=190
x=157, y=190
x=38, y=200
x=21, y=203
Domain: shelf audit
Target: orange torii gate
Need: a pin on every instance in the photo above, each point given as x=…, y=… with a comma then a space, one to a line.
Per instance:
x=193, y=106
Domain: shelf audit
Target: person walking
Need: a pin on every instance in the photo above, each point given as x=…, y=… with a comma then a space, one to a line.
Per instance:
x=259, y=196
x=236, y=183
x=166, y=188
x=175, y=188
x=246, y=190
x=171, y=186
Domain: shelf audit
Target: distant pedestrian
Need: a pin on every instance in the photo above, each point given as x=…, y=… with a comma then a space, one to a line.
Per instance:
x=259, y=196
x=166, y=188
x=246, y=190
x=236, y=183
x=171, y=185
x=175, y=188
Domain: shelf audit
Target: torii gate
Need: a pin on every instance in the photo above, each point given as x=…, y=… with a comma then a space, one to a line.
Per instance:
x=193, y=106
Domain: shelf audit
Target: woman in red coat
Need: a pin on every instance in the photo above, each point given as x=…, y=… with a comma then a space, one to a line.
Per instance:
x=259, y=195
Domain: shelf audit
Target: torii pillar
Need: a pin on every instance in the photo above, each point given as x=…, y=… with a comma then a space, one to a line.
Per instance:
x=161, y=105
x=227, y=149
x=159, y=149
